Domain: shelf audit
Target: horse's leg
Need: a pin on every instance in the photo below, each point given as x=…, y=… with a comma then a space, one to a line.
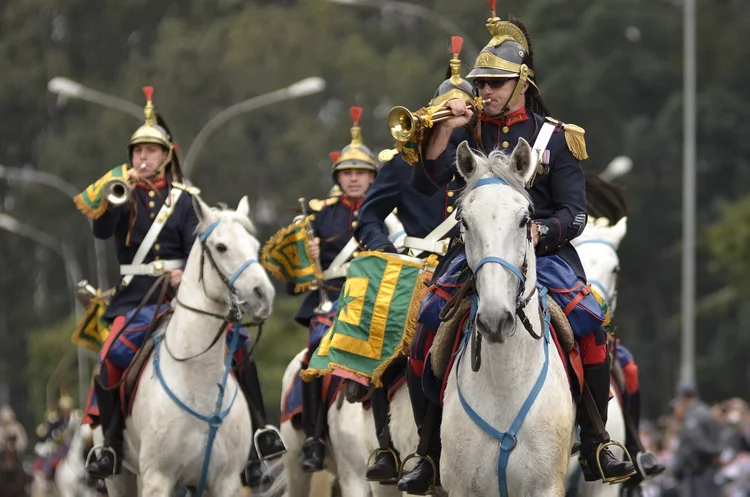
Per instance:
x=226, y=485
x=157, y=484
x=123, y=485
x=298, y=482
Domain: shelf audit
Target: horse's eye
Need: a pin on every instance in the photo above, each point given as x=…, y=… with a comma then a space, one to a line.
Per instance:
x=616, y=270
x=221, y=247
x=524, y=222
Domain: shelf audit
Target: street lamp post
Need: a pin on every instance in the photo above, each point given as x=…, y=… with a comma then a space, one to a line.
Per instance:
x=65, y=87
x=73, y=274
x=687, y=369
x=28, y=175
x=410, y=9
x=308, y=86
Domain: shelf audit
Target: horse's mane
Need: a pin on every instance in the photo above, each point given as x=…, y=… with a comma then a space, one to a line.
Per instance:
x=605, y=199
x=496, y=164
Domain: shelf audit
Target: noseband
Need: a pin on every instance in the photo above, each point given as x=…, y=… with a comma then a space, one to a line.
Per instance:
x=228, y=282
x=521, y=301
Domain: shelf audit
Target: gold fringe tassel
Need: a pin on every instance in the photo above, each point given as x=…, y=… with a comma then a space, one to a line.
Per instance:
x=574, y=137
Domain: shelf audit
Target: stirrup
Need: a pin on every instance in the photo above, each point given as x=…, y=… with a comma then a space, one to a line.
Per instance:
x=613, y=480
x=273, y=455
x=429, y=459
x=396, y=458
x=104, y=448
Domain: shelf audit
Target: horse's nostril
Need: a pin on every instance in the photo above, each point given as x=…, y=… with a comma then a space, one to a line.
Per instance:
x=258, y=291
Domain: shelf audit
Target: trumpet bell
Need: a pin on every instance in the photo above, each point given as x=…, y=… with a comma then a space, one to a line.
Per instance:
x=402, y=123
x=118, y=192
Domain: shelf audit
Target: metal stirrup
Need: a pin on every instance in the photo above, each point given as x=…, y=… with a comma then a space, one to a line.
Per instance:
x=613, y=480
x=104, y=448
x=266, y=429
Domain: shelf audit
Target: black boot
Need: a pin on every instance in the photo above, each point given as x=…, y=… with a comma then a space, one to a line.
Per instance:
x=646, y=464
x=314, y=448
x=425, y=477
x=108, y=462
x=592, y=418
x=385, y=461
x=266, y=438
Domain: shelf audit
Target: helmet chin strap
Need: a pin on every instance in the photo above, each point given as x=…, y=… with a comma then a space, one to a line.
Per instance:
x=167, y=160
x=523, y=77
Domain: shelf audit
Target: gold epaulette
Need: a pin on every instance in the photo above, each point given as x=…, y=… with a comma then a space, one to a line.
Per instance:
x=574, y=137
x=192, y=190
x=317, y=205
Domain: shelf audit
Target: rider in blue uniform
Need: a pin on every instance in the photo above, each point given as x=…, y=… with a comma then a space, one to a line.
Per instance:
x=336, y=217
x=504, y=73
x=420, y=215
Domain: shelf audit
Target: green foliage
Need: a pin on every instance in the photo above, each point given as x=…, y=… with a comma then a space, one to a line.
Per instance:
x=729, y=244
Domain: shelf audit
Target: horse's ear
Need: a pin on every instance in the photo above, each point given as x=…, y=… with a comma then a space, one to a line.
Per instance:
x=618, y=231
x=520, y=161
x=202, y=210
x=243, y=208
x=465, y=160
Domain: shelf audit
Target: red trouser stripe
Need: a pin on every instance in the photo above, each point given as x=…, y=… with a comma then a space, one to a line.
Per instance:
x=592, y=353
x=631, y=377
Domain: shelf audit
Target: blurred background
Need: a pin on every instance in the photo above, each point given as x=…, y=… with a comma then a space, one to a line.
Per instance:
x=71, y=73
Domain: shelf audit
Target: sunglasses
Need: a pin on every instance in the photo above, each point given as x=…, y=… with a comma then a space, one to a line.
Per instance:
x=492, y=83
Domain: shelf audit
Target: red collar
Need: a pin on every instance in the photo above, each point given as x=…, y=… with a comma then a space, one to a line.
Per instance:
x=351, y=204
x=516, y=117
x=158, y=183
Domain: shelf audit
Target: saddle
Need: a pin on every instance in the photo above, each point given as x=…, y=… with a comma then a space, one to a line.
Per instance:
x=448, y=340
x=132, y=375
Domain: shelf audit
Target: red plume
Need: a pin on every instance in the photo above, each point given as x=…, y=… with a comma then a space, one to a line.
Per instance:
x=492, y=5
x=356, y=113
x=148, y=91
x=175, y=148
x=457, y=42
x=334, y=156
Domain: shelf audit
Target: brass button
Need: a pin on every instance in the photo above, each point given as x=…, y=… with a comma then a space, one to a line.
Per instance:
x=157, y=247
x=450, y=194
x=151, y=204
x=354, y=223
x=449, y=208
x=158, y=268
x=152, y=194
x=355, y=213
x=505, y=129
x=157, y=258
x=151, y=216
x=506, y=144
x=355, y=253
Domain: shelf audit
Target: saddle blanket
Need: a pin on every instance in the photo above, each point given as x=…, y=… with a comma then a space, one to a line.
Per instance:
x=121, y=346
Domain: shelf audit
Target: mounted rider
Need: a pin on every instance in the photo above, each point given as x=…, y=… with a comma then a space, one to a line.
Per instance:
x=335, y=219
x=148, y=211
x=504, y=74
x=428, y=226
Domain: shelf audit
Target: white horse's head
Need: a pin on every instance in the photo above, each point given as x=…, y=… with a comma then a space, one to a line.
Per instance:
x=597, y=247
x=230, y=259
x=495, y=213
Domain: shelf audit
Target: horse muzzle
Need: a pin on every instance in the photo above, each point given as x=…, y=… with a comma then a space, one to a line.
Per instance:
x=495, y=324
x=260, y=303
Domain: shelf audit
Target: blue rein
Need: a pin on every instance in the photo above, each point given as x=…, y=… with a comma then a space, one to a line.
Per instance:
x=508, y=439
x=214, y=419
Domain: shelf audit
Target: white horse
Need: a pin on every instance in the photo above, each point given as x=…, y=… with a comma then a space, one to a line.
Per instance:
x=521, y=387
x=597, y=247
x=345, y=450
x=70, y=475
x=165, y=446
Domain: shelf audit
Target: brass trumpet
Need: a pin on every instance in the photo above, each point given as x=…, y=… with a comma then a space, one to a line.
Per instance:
x=404, y=124
x=118, y=191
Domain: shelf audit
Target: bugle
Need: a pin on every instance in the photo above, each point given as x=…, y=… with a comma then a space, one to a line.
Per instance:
x=118, y=191
x=404, y=124
x=325, y=305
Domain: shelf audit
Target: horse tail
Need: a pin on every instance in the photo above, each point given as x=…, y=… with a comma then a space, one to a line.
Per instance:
x=277, y=488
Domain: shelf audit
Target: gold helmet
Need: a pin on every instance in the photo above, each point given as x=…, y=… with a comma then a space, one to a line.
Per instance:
x=509, y=54
x=154, y=130
x=455, y=86
x=355, y=155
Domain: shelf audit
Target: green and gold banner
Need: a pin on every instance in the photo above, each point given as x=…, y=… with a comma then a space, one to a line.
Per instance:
x=287, y=257
x=376, y=318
